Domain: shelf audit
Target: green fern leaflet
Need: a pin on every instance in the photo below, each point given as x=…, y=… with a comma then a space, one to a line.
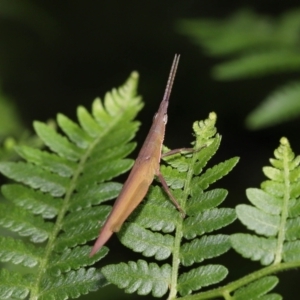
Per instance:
x=56, y=203
x=274, y=215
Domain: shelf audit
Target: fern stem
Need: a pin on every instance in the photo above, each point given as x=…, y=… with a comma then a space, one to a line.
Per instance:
x=179, y=229
x=55, y=232
x=175, y=261
x=35, y=292
x=286, y=198
x=226, y=295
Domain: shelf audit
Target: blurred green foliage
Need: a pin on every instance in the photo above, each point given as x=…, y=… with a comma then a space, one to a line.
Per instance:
x=253, y=46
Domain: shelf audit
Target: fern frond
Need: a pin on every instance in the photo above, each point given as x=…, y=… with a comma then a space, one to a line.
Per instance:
x=281, y=105
x=185, y=176
x=55, y=197
x=269, y=215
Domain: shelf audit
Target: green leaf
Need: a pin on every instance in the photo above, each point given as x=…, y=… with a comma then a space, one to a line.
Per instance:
x=280, y=106
x=257, y=289
x=181, y=164
x=215, y=173
x=264, y=201
x=295, y=190
x=258, y=64
x=57, y=143
x=293, y=229
x=174, y=179
x=159, y=214
x=205, y=201
x=204, y=248
x=95, y=195
x=273, y=188
x=74, y=132
x=150, y=244
x=35, y=177
x=294, y=208
x=210, y=220
x=205, y=154
x=141, y=277
x=77, y=235
x=87, y=122
x=236, y=34
x=18, y=252
x=13, y=285
x=24, y=223
x=205, y=130
x=200, y=277
x=75, y=259
x=30, y=200
x=104, y=172
x=273, y=173
x=47, y=161
x=121, y=135
x=72, y=285
x=110, y=154
x=253, y=247
x=291, y=251
x=81, y=226
x=258, y=220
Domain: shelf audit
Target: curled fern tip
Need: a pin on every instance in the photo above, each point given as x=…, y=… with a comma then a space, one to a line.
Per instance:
x=134, y=75
x=213, y=116
x=284, y=141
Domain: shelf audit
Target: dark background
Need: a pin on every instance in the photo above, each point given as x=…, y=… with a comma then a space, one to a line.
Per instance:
x=56, y=55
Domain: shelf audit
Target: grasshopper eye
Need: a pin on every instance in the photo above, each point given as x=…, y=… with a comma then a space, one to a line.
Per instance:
x=165, y=119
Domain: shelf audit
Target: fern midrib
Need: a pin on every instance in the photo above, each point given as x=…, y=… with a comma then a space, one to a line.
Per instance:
x=179, y=229
x=35, y=290
x=284, y=214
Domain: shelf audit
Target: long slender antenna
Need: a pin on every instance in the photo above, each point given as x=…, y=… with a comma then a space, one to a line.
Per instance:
x=171, y=78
